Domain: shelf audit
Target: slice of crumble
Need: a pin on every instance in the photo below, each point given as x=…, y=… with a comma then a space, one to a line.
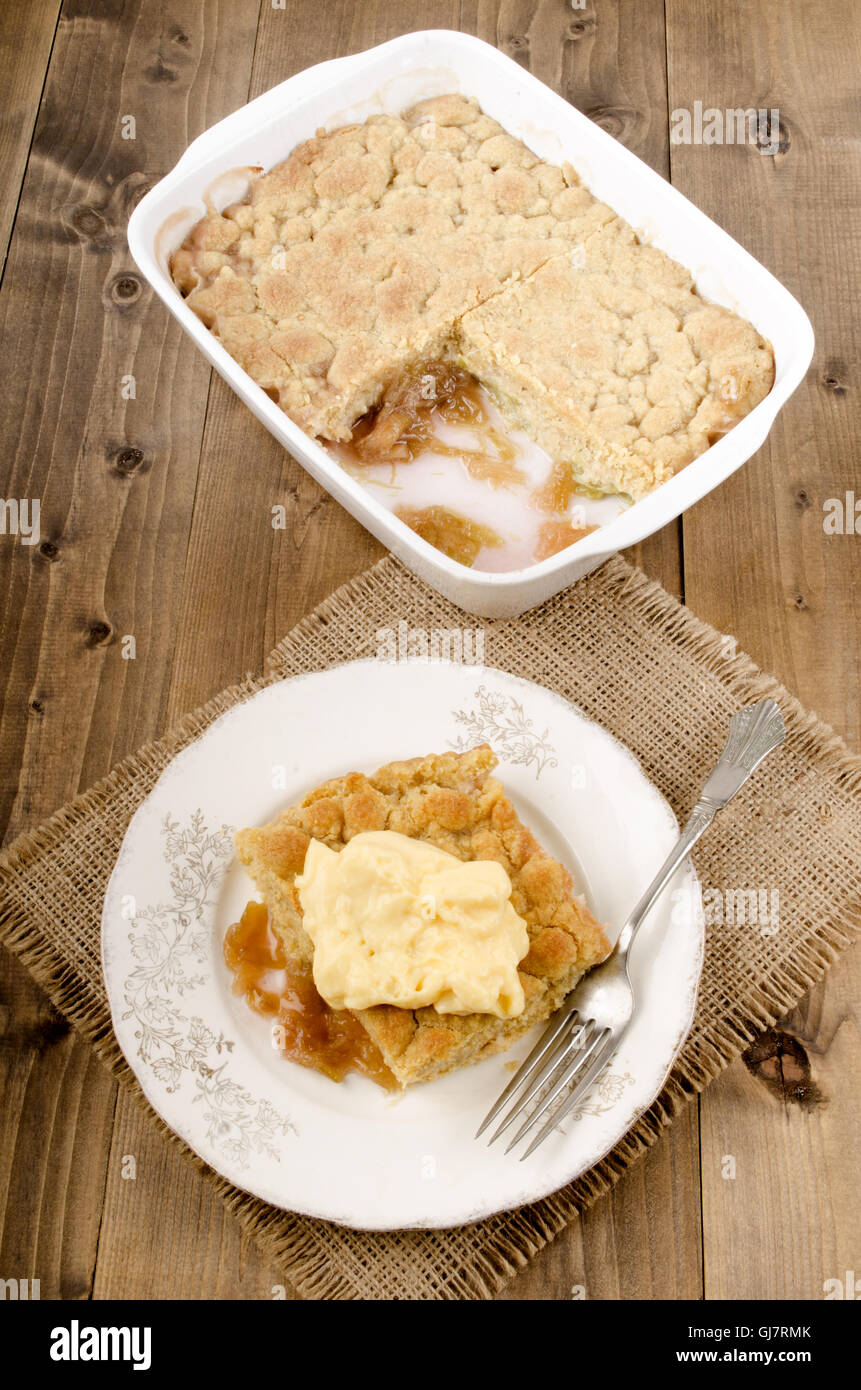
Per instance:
x=451, y=801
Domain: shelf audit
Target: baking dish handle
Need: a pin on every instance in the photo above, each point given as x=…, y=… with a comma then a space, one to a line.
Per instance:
x=277, y=101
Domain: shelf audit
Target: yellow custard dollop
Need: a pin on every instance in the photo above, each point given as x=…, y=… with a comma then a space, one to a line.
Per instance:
x=395, y=920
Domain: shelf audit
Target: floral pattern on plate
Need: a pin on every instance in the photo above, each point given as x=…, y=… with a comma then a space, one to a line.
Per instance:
x=169, y=942
x=502, y=721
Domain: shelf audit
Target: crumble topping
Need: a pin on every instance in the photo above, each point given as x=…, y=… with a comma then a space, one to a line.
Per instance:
x=438, y=237
x=450, y=801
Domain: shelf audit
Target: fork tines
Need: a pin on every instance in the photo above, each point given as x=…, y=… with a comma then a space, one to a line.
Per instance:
x=556, y=1032
x=570, y=1050
x=581, y=1076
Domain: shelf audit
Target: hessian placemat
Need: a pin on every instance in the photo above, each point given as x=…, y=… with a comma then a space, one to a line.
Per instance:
x=780, y=869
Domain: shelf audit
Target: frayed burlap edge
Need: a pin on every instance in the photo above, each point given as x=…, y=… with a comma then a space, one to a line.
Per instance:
x=498, y=1247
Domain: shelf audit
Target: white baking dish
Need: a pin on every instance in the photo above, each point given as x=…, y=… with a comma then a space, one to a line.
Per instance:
x=388, y=79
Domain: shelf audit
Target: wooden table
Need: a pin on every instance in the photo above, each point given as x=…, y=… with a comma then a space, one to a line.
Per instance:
x=155, y=522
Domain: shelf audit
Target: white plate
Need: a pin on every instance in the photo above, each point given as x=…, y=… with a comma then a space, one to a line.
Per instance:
x=391, y=78
x=350, y=1153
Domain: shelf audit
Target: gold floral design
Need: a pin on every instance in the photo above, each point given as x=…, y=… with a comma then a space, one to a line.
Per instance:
x=169, y=941
x=501, y=721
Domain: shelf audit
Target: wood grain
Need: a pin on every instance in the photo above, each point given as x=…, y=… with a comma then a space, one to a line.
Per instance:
x=165, y=1232
x=117, y=480
x=26, y=35
x=58, y=1106
x=641, y=1241
x=786, y=1220
x=759, y=566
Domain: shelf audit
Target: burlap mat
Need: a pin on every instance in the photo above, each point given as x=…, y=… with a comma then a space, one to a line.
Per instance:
x=665, y=684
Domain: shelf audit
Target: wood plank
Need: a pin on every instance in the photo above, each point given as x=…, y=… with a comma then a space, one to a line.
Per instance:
x=641, y=1241
x=788, y=1221
x=115, y=477
x=759, y=565
x=58, y=1104
x=116, y=480
x=26, y=35
x=166, y=1236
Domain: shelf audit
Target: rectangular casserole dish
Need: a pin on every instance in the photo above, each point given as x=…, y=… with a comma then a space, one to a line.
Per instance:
x=389, y=79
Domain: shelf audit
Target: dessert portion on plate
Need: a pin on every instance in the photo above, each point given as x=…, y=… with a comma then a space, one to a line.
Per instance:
x=411, y=924
x=378, y=252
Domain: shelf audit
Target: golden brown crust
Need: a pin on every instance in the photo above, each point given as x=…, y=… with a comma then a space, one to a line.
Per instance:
x=437, y=235
x=612, y=362
x=451, y=801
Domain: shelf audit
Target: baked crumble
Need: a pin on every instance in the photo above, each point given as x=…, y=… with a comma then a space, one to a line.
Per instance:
x=378, y=253
x=449, y=800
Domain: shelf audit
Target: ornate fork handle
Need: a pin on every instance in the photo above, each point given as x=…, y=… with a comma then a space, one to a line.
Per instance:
x=753, y=733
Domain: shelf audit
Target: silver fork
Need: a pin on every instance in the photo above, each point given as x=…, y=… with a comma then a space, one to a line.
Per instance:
x=582, y=1036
